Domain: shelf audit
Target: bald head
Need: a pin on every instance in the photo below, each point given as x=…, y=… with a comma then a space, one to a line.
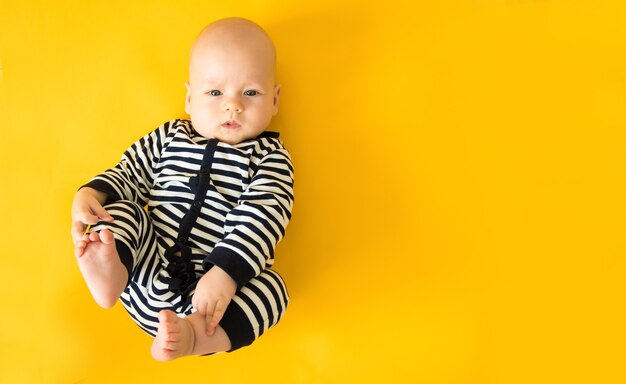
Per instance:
x=232, y=93
x=233, y=37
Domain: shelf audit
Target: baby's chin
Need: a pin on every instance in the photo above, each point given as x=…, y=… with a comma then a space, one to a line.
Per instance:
x=230, y=142
x=233, y=138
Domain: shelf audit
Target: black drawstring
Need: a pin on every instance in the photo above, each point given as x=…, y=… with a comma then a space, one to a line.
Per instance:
x=180, y=268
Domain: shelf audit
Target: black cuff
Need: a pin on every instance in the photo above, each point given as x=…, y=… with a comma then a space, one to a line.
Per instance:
x=231, y=263
x=236, y=325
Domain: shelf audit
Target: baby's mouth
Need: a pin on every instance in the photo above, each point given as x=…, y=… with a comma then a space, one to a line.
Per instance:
x=231, y=124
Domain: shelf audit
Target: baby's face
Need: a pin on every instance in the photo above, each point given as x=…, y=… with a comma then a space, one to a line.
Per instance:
x=231, y=93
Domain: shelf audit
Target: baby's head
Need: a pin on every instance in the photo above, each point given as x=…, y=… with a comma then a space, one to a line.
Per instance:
x=231, y=92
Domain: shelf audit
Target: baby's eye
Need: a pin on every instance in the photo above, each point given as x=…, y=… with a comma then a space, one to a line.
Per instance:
x=214, y=92
x=251, y=93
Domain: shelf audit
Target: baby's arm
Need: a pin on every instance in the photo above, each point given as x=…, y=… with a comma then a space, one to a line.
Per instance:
x=253, y=229
x=213, y=293
x=258, y=222
x=130, y=179
x=87, y=210
x=133, y=177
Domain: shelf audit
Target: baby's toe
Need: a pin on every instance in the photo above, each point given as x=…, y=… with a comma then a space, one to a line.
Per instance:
x=106, y=236
x=94, y=236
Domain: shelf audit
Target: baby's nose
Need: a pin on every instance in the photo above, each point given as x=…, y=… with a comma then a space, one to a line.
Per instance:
x=233, y=105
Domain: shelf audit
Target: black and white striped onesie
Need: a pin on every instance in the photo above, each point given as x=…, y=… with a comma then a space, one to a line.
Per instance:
x=208, y=203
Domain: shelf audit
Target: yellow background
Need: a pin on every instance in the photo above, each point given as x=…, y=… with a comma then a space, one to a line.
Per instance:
x=460, y=200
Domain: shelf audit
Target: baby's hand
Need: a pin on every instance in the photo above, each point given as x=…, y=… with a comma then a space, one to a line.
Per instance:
x=213, y=293
x=87, y=210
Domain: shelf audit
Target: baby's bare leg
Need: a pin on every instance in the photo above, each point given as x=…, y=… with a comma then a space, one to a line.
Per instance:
x=178, y=337
x=100, y=264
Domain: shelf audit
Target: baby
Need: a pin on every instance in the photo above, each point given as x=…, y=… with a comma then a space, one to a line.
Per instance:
x=194, y=268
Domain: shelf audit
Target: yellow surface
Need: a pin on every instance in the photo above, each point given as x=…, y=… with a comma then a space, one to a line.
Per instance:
x=461, y=184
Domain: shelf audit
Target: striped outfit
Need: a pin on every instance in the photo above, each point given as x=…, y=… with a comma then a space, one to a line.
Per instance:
x=208, y=203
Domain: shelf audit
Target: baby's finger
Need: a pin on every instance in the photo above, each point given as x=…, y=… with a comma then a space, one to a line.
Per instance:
x=88, y=219
x=78, y=229
x=102, y=214
x=208, y=319
x=216, y=317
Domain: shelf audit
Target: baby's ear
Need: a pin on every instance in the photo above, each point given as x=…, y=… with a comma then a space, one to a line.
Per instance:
x=276, y=95
x=188, y=99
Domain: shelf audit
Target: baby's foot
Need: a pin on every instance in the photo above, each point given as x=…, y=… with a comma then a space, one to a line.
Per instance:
x=175, y=337
x=101, y=267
